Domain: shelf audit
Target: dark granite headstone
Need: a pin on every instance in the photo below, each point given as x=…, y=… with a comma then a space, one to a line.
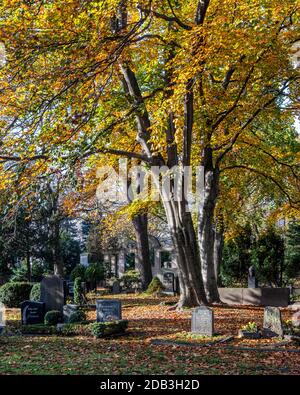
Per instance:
x=116, y=288
x=68, y=310
x=203, y=321
x=108, y=310
x=252, y=281
x=53, y=293
x=32, y=312
x=70, y=288
x=272, y=322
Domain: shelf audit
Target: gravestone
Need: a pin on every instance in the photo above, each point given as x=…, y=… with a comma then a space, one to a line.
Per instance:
x=203, y=321
x=32, y=312
x=116, y=288
x=272, y=322
x=169, y=281
x=2, y=317
x=252, y=281
x=108, y=310
x=70, y=288
x=68, y=310
x=53, y=293
x=84, y=259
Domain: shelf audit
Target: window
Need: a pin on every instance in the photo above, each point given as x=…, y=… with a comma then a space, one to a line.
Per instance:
x=130, y=261
x=165, y=259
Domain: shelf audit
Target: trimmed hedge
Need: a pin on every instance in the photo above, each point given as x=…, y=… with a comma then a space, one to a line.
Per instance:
x=96, y=329
x=38, y=329
x=78, y=271
x=101, y=329
x=77, y=317
x=78, y=291
x=53, y=317
x=35, y=293
x=155, y=286
x=12, y=294
x=75, y=330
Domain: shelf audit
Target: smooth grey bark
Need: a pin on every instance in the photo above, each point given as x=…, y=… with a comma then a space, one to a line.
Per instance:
x=55, y=223
x=56, y=255
x=140, y=223
x=184, y=239
x=206, y=227
x=218, y=250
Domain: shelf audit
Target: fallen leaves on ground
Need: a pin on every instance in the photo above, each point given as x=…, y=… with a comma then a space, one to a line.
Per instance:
x=149, y=319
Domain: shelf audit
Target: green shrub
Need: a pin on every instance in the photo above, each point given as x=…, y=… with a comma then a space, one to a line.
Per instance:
x=78, y=271
x=78, y=291
x=53, y=317
x=250, y=327
x=94, y=273
x=131, y=279
x=77, y=317
x=12, y=294
x=75, y=330
x=35, y=293
x=101, y=329
x=155, y=286
x=38, y=329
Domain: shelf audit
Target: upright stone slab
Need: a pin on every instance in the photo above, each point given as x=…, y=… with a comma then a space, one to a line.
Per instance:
x=203, y=321
x=70, y=288
x=108, y=310
x=169, y=281
x=2, y=317
x=53, y=293
x=252, y=281
x=32, y=312
x=272, y=322
x=116, y=288
x=68, y=310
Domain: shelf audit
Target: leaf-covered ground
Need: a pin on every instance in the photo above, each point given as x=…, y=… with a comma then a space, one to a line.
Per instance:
x=134, y=353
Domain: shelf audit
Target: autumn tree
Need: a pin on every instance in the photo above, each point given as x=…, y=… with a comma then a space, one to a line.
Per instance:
x=165, y=82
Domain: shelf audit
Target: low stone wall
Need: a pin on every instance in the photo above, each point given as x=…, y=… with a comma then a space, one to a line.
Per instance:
x=277, y=297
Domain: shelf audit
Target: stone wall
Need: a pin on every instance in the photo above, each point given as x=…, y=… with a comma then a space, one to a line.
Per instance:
x=277, y=297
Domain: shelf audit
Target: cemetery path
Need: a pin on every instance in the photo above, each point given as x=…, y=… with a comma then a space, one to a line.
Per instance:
x=134, y=354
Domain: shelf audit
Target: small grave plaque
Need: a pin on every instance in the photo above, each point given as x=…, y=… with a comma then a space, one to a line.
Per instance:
x=272, y=322
x=32, y=312
x=203, y=321
x=108, y=310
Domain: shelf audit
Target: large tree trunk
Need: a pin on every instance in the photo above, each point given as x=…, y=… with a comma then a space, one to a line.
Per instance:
x=182, y=230
x=56, y=255
x=28, y=255
x=218, y=250
x=206, y=228
x=140, y=223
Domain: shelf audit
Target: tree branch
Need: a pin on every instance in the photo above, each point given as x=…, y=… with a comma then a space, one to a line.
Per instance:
x=267, y=176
